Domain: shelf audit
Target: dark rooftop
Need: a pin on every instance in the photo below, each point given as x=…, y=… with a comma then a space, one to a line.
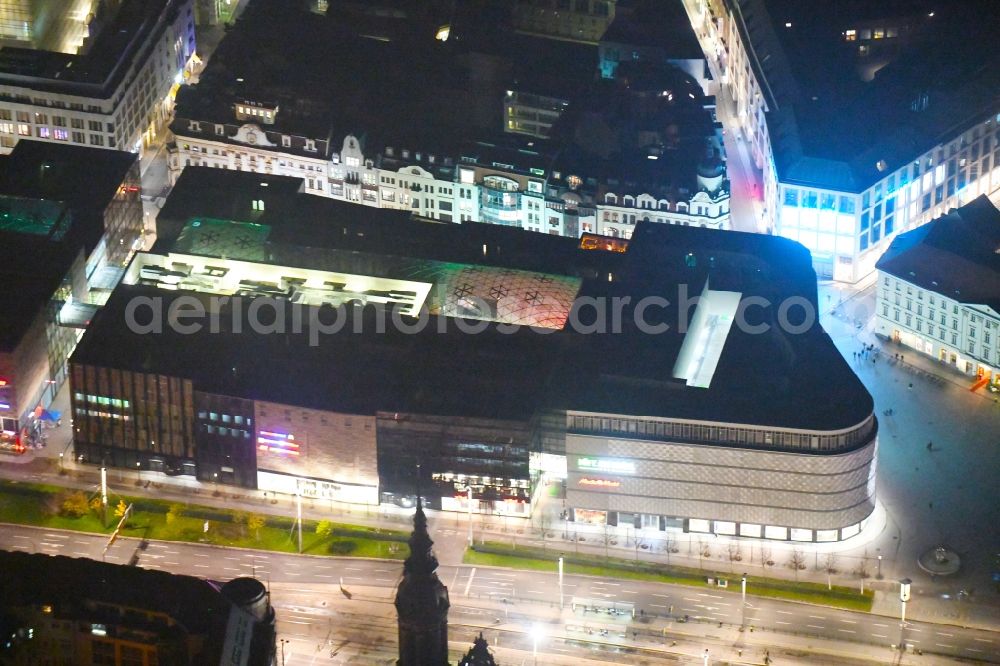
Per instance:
x=662, y=24
x=774, y=378
x=297, y=221
x=31, y=269
x=52, y=171
x=374, y=98
x=106, y=60
x=834, y=115
x=74, y=588
x=956, y=255
x=50, y=210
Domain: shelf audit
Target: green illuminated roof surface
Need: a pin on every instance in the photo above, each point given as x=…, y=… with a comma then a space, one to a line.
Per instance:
x=39, y=217
x=213, y=237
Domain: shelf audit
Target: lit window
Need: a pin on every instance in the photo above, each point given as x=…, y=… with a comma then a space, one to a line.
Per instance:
x=851, y=35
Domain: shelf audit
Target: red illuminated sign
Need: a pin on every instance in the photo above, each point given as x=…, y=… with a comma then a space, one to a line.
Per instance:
x=277, y=442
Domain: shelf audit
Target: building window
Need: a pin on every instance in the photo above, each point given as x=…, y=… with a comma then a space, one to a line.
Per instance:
x=258, y=204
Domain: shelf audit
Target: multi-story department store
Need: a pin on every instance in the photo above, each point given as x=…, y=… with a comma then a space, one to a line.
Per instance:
x=731, y=424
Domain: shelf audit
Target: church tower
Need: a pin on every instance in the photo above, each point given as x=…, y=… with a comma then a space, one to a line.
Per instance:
x=422, y=602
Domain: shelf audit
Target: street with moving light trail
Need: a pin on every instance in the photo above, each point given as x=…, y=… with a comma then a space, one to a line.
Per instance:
x=318, y=617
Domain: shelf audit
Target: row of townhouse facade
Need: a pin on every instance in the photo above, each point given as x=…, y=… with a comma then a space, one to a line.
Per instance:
x=478, y=185
x=117, y=104
x=847, y=230
x=963, y=335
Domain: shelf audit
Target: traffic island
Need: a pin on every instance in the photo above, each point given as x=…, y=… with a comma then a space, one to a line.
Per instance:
x=536, y=559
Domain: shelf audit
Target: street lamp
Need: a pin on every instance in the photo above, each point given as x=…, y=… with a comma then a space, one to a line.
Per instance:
x=61, y=469
x=470, y=516
x=283, y=641
x=878, y=574
x=743, y=594
x=537, y=634
x=560, y=582
x=904, y=596
x=704, y=657
x=138, y=472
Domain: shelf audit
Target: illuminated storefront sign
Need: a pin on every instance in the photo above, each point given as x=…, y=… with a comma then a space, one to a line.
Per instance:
x=277, y=442
x=606, y=465
x=599, y=483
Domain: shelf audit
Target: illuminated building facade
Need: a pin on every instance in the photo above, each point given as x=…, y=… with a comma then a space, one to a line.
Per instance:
x=845, y=191
x=64, y=243
x=937, y=290
x=111, y=95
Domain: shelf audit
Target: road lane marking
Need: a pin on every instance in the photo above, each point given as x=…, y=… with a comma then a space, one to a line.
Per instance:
x=884, y=626
x=202, y=566
x=850, y=621
x=815, y=626
x=847, y=631
x=657, y=605
x=983, y=640
x=818, y=617
x=973, y=650
x=914, y=629
x=944, y=645
x=629, y=592
x=662, y=596
x=786, y=612
x=880, y=635
x=780, y=622
x=468, y=584
x=941, y=633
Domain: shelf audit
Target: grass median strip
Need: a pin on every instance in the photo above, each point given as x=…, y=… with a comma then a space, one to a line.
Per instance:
x=535, y=559
x=50, y=506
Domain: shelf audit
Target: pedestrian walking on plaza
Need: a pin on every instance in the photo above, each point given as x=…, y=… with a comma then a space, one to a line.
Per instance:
x=911, y=386
x=930, y=446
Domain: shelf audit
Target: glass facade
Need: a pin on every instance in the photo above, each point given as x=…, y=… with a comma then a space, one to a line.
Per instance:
x=122, y=417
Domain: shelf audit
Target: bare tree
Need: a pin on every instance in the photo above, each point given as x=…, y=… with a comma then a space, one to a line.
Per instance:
x=543, y=523
x=797, y=561
x=830, y=563
x=704, y=552
x=670, y=546
x=765, y=557
x=735, y=553
x=861, y=571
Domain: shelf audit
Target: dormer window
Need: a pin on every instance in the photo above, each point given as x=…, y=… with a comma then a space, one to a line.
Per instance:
x=311, y=145
x=259, y=112
x=194, y=126
x=389, y=151
x=286, y=141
